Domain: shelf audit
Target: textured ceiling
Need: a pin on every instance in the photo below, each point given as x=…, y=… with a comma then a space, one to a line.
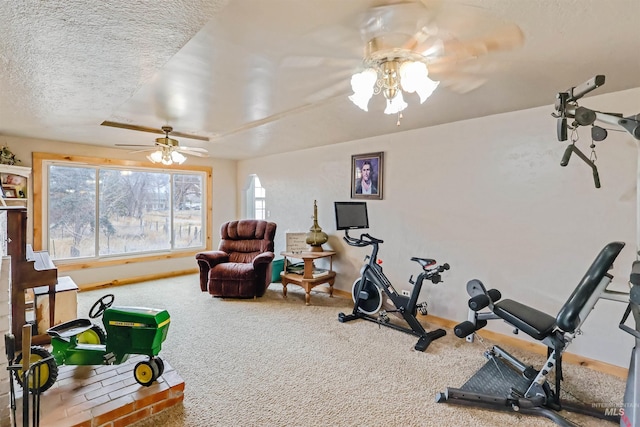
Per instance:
x=262, y=77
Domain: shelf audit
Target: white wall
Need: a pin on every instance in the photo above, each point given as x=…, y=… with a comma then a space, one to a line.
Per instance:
x=224, y=206
x=486, y=195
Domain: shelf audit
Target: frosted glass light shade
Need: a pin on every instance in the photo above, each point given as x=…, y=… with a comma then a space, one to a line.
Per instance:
x=396, y=104
x=155, y=157
x=177, y=157
x=414, y=77
x=362, y=85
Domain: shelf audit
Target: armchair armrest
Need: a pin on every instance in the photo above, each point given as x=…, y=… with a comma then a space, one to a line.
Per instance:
x=263, y=259
x=206, y=261
x=213, y=258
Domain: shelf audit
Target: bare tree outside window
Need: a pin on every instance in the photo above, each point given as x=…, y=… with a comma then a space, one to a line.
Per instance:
x=138, y=211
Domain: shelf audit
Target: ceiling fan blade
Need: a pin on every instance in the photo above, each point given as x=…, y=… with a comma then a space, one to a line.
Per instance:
x=153, y=130
x=331, y=91
x=192, y=153
x=142, y=151
x=464, y=83
x=318, y=61
x=192, y=149
x=406, y=18
x=506, y=38
x=465, y=77
x=466, y=31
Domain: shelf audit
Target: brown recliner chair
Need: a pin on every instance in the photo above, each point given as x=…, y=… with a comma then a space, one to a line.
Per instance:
x=241, y=267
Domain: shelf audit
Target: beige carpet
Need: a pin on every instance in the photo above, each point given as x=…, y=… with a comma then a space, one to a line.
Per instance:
x=277, y=362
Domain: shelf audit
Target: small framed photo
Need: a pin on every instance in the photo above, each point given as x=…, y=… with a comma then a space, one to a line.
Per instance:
x=10, y=193
x=366, y=176
x=14, y=182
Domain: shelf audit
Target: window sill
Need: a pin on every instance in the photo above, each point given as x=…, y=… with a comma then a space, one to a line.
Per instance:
x=71, y=265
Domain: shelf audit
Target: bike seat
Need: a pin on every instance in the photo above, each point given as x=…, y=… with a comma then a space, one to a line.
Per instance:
x=70, y=328
x=424, y=262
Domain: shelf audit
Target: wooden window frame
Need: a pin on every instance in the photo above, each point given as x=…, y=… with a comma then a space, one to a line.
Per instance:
x=39, y=160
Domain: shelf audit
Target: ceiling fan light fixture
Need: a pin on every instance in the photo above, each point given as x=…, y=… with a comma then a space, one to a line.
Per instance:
x=167, y=157
x=396, y=104
x=414, y=77
x=155, y=157
x=177, y=157
x=168, y=150
x=363, y=85
x=391, y=77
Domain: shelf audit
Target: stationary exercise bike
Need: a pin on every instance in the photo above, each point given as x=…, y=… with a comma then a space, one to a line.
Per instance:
x=368, y=289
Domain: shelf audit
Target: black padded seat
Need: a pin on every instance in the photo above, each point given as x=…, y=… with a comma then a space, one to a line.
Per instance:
x=532, y=322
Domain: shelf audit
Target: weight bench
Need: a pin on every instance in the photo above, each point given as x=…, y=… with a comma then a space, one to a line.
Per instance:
x=507, y=384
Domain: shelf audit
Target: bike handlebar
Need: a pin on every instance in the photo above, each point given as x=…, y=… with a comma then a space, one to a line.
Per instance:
x=365, y=239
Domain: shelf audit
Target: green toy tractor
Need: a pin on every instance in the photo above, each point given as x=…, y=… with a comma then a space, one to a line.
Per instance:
x=127, y=331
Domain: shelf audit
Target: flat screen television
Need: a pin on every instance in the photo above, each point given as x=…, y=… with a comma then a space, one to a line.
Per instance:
x=351, y=215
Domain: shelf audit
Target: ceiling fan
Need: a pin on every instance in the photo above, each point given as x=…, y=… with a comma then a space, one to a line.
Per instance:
x=414, y=46
x=167, y=150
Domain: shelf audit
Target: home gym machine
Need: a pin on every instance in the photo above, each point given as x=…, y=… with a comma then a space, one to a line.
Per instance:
x=505, y=383
x=368, y=289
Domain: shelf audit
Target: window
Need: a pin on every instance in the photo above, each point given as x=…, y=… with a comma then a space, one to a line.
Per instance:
x=255, y=199
x=96, y=211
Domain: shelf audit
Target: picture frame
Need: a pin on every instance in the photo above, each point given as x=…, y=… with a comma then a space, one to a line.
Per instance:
x=371, y=164
x=296, y=243
x=14, y=182
x=10, y=193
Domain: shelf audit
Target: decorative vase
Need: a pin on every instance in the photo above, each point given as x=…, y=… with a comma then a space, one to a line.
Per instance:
x=316, y=237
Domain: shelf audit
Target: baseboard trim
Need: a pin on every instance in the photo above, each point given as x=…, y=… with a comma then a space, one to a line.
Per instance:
x=521, y=344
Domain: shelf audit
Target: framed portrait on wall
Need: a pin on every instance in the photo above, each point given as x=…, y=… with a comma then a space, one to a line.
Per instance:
x=366, y=176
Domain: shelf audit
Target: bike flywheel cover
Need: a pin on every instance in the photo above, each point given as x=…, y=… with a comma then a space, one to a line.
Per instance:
x=373, y=302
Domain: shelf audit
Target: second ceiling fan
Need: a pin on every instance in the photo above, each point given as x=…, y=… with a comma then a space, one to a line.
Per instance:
x=168, y=150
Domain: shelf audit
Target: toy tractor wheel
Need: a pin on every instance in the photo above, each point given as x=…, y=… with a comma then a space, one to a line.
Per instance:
x=146, y=372
x=95, y=335
x=160, y=364
x=48, y=370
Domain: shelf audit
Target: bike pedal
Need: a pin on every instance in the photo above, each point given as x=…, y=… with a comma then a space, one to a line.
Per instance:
x=422, y=308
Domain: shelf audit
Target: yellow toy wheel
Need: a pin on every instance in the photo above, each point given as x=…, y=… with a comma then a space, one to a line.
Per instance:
x=160, y=363
x=145, y=372
x=95, y=335
x=48, y=370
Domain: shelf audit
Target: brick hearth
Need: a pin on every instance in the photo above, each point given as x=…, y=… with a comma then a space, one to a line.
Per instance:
x=105, y=396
